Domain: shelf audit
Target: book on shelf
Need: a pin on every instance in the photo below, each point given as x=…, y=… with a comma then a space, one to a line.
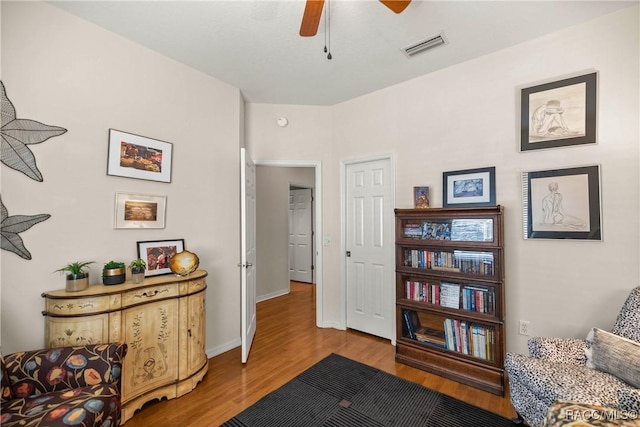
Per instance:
x=472, y=230
x=436, y=230
x=431, y=336
x=449, y=295
x=412, y=230
x=408, y=316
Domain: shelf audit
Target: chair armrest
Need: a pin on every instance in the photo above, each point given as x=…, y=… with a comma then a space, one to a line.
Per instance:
x=559, y=350
x=61, y=368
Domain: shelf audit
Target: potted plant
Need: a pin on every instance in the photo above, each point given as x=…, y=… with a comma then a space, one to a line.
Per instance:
x=114, y=273
x=77, y=275
x=138, y=266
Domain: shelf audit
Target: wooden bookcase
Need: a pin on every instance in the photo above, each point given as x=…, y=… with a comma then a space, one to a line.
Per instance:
x=450, y=293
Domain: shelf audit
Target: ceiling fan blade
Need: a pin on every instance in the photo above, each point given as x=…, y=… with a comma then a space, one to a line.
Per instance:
x=396, y=5
x=311, y=18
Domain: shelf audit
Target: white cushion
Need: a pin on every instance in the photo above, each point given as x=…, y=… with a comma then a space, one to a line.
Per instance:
x=615, y=355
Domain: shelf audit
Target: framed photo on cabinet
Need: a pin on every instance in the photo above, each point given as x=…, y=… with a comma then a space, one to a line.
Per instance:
x=559, y=114
x=157, y=254
x=471, y=187
x=421, y=197
x=562, y=203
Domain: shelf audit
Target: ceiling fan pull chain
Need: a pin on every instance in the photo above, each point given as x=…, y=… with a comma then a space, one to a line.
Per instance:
x=325, y=27
x=328, y=31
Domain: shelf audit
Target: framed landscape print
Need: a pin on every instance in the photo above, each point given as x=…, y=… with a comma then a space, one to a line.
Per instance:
x=471, y=187
x=140, y=210
x=135, y=156
x=559, y=114
x=562, y=204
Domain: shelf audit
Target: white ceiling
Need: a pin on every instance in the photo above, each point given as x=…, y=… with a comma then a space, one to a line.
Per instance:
x=255, y=46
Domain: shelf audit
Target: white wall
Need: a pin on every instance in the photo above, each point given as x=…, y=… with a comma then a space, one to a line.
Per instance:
x=466, y=116
x=63, y=71
x=272, y=226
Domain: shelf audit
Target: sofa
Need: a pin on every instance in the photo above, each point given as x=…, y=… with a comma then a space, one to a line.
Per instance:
x=63, y=386
x=603, y=369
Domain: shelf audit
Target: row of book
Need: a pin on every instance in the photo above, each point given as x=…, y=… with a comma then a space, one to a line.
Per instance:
x=428, y=230
x=475, y=298
x=470, y=338
x=468, y=230
x=478, y=299
x=467, y=262
x=464, y=337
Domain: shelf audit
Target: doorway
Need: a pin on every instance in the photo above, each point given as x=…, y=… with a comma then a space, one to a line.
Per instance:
x=273, y=246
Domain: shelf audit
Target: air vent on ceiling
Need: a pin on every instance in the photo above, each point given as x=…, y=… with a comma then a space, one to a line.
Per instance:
x=423, y=45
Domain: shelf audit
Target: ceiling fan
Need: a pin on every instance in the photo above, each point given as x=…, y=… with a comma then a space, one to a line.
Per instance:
x=313, y=12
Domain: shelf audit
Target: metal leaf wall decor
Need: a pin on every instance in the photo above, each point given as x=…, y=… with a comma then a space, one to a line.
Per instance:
x=13, y=225
x=17, y=134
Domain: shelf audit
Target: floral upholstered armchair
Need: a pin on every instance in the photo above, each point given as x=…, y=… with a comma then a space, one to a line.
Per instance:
x=63, y=386
x=603, y=369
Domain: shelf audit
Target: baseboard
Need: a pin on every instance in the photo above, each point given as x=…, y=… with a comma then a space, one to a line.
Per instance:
x=212, y=352
x=279, y=293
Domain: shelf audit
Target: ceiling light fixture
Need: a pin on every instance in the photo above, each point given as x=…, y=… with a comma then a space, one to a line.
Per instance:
x=423, y=45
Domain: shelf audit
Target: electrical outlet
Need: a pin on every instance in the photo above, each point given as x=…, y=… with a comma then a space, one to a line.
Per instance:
x=525, y=327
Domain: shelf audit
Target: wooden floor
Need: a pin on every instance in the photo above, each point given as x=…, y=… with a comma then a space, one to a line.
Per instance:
x=286, y=343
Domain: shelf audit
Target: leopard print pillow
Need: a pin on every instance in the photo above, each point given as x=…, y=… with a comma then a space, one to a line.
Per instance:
x=629, y=318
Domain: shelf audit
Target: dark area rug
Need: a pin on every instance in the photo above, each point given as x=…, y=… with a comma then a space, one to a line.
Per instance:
x=340, y=392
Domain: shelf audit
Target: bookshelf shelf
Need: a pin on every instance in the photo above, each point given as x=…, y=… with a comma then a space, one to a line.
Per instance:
x=450, y=293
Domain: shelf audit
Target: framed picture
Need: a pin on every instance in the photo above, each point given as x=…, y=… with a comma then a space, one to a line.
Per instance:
x=558, y=114
x=157, y=254
x=421, y=197
x=471, y=187
x=562, y=204
x=135, y=156
x=140, y=210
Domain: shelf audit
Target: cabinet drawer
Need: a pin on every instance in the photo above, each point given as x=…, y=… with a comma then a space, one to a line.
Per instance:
x=197, y=285
x=77, y=306
x=147, y=294
x=192, y=286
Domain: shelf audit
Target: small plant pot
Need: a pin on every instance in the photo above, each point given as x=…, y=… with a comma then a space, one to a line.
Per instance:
x=113, y=276
x=137, y=275
x=77, y=282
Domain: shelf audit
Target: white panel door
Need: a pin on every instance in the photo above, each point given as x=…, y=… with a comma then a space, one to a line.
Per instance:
x=248, y=251
x=369, y=245
x=300, y=236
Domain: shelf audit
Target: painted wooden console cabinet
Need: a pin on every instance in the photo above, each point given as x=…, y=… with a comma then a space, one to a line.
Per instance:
x=162, y=320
